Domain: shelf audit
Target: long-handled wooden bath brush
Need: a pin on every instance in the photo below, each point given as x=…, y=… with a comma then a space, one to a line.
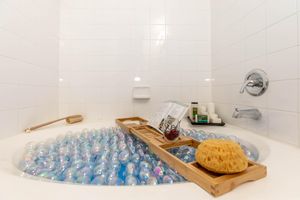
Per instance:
x=70, y=120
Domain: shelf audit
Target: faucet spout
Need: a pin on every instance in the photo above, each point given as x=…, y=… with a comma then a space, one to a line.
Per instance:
x=251, y=113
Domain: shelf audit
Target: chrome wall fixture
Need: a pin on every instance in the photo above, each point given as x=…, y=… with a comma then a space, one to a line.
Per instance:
x=250, y=113
x=256, y=83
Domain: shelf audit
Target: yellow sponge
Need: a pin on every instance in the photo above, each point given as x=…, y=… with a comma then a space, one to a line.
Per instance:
x=221, y=156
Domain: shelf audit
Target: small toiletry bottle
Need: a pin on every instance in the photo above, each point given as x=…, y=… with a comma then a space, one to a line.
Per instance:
x=194, y=110
x=203, y=110
x=203, y=115
x=204, y=119
x=211, y=108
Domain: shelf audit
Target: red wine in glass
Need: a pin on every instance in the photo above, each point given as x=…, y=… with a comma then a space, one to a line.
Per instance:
x=172, y=134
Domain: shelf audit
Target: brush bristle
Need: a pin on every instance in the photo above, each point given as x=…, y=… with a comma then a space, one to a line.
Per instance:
x=74, y=119
x=27, y=130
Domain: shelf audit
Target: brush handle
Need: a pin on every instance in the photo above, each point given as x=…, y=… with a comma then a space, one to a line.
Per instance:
x=28, y=130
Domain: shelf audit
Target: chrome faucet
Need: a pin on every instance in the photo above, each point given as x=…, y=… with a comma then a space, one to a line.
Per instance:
x=251, y=113
x=250, y=83
x=255, y=83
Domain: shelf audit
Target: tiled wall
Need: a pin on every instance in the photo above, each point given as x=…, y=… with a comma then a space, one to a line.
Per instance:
x=258, y=34
x=104, y=44
x=28, y=63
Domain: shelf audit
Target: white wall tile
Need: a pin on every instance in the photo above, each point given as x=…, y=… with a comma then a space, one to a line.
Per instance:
x=256, y=63
x=158, y=32
x=158, y=12
x=260, y=102
x=283, y=95
x=256, y=20
x=9, y=94
x=105, y=44
x=280, y=9
x=142, y=109
x=182, y=47
x=187, y=32
x=8, y=68
x=186, y=12
x=9, y=123
x=28, y=64
x=255, y=45
x=283, y=64
x=269, y=31
x=283, y=34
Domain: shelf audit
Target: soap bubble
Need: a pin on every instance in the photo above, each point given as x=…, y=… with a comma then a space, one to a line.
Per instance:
x=100, y=169
x=135, y=158
x=84, y=172
x=124, y=156
x=131, y=149
x=64, y=151
x=122, y=146
x=33, y=170
x=50, y=165
x=25, y=165
x=41, y=152
x=76, y=157
x=131, y=180
x=167, y=179
x=30, y=146
x=78, y=164
x=99, y=180
x=114, y=156
x=121, y=135
x=70, y=179
x=63, y=164
x=28, y=156
x=90, y=165
x=140, y=152
x=158, y=171
x=129, y=139
x=112, y=178
x=83, y=179
x=96, y=149
x=115, y=166
x=44, y=174
x=145, y=164
x=113, y=139
x=114, y=147
x=152, y=181
x=70, y=174
x=144, y=174
x=86, y=156
x=130, y=168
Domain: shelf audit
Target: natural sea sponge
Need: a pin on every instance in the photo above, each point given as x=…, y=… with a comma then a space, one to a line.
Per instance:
x=221, y=156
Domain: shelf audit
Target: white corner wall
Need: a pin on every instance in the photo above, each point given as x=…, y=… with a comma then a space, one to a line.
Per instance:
x=28, y=63
x=258, y=34
x=104, y=44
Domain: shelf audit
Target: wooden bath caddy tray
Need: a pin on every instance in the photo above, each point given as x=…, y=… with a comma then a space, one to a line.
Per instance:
x=215, y=184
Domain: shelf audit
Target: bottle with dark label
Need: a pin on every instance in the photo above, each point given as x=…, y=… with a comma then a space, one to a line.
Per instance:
x=194, y=110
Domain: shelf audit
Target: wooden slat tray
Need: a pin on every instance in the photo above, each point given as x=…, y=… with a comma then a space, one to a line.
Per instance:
x=215, y=184
x=128, y=123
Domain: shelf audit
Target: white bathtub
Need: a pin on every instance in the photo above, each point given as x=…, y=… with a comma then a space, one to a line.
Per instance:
x=283, y=162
